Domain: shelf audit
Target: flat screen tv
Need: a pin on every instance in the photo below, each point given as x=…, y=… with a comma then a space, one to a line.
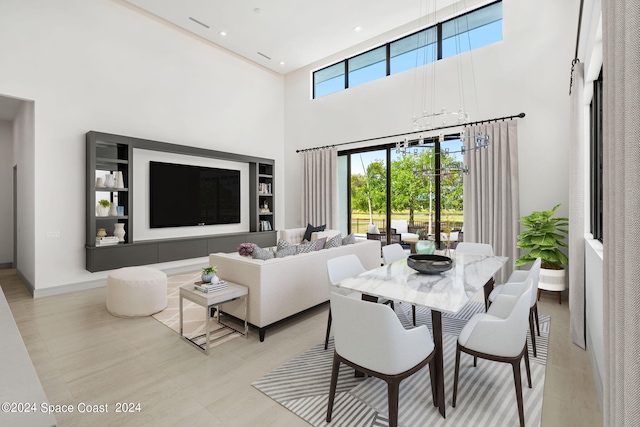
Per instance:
x=185, y=195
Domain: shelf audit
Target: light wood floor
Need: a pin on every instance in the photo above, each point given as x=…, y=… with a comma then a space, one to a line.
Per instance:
x=83, y=354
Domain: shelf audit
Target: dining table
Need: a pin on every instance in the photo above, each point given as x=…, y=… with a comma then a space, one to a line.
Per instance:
x=445, y=292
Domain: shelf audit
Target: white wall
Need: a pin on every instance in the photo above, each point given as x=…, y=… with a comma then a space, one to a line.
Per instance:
x=101, y=65
x=6, y=192
x=526, y=72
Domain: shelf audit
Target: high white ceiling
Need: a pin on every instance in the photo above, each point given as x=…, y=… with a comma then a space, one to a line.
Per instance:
x=291, y=33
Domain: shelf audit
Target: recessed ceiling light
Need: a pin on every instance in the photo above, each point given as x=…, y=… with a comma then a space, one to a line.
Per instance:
x=357, y=28
x=223, y=33
x=281, y=62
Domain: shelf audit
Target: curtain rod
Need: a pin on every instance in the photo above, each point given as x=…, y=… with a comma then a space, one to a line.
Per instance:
x=479, y=122
x=575, y=56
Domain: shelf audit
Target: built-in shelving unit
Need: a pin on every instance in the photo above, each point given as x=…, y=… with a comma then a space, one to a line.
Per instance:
x=110, y=154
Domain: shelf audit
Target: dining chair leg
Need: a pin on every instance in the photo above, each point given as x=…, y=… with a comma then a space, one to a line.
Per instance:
x=535, y=312
x=526, y=363
x=518, y=383
x=538, y=294
x=455, y=376
x=413, y=312
x=432, y=374
x=332, y=387
x=475, y=361
x=326, y=340
x=533, y=333
x=393, y=387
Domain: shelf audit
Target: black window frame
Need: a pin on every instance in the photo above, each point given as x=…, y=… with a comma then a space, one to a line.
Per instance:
x=596, y=159
x=437, y=26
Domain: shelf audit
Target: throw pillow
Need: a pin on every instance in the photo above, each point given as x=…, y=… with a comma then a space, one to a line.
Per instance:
x=320, y=243
x=283, y=244
x=310, y=229
x=246, y=249
x=263, y=254
x=334, y=242
x=372, y=229
x=305, y=248
x=286, y=251
x=349, y=240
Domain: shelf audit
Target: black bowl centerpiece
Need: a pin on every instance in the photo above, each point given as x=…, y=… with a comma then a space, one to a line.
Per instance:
x=429, y=264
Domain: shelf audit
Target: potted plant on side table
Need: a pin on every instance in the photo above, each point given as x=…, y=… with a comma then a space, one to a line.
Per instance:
x=542, y=236
x=209, y=274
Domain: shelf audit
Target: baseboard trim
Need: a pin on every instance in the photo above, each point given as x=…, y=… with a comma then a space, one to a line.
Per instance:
x=596, y=371
x=5, y=265
x=91, y=284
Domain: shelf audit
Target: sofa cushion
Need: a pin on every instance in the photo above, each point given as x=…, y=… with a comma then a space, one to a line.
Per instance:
x=260, y=253
x=334, y=242
x=319, y=243
x=286, y=251
x=305, y=248
x=349, y=240
x=283, y=244
x=311, y=229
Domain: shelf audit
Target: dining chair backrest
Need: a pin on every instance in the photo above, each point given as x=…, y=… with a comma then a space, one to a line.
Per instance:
x=500, y=336
x=343, y=267
x=519, y=276
x=474, y=248
x=393, y=252
x=371, y=335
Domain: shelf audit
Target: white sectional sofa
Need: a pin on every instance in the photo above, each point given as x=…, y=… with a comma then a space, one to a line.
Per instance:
x=282, y=287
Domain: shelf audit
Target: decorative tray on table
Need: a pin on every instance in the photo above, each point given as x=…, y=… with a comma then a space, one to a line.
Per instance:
x=429, y=264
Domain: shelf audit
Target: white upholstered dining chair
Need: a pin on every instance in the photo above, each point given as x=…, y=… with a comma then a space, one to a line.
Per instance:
x=499, y=335
x=340, y=268
x=370, y=338
x=512, y=287
x=392, y=253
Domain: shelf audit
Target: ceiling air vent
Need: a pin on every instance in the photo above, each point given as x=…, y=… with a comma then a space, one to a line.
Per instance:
x=262, y=54
x=198, y=22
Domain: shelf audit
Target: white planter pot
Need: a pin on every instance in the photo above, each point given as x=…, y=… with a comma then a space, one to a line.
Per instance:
x=552, y=280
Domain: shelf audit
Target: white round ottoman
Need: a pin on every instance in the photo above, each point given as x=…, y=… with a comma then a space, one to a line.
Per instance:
x=136, y=291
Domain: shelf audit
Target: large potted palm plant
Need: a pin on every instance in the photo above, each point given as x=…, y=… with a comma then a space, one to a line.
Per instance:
x=542, y=237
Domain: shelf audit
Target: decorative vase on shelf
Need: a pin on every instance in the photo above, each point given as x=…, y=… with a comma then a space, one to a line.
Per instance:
x=118, y=231
x=113, y=210
x=102, y=211
x=427, y=247
x=109, y=181
x=119, y=180
x=99, y=182
x=102, y=232
x=210, y=278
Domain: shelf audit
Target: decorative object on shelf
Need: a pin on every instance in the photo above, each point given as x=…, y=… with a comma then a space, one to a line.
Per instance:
x=101, y=232
x=99, y=182
x=119, y=180
x=542, y=237
x=118, y=231
x=209, y=274
x=120, y=210
x=102, y=209
x=264, y=207
x=109, y=181
x=113, y=210
x=425, y=247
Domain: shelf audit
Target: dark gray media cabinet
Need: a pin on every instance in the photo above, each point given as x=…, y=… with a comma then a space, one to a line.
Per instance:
x=114, y=153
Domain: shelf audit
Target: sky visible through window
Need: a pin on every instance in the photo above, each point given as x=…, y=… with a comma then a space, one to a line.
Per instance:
x=468, y=32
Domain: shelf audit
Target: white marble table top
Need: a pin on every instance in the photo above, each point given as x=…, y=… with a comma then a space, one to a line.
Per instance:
x=447, y=292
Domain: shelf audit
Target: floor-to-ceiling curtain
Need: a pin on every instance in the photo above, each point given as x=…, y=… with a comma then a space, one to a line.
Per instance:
x=621, y=214
x=577, y=161
x=320, y=187
x=491, y=195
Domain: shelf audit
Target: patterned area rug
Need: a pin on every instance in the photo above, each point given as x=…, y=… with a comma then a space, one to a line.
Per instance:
x=194, y=314
x=486, y=395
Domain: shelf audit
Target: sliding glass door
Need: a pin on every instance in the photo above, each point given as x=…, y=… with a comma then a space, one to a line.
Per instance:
x=419, y=189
